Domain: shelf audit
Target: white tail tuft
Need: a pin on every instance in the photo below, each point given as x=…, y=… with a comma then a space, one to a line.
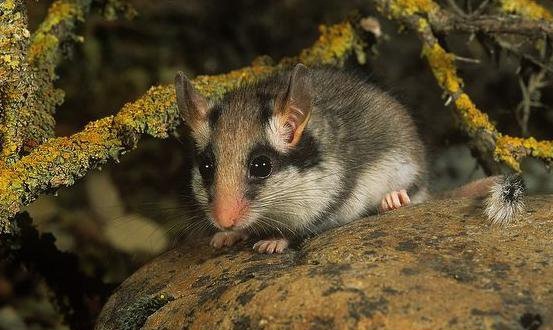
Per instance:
x=505, y=200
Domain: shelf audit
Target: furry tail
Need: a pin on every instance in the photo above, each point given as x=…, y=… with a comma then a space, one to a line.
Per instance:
x=503, y=196
x=505, y=200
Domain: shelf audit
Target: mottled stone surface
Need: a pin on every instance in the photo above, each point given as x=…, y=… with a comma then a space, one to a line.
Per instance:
x=431, y=266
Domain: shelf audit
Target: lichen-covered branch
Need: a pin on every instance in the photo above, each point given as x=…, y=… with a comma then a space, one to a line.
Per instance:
x=16, y=78
x=446, y=22
x=60, y=161
x=419, y=15
x=29, y=97
x=526, y=8
x=44, y=55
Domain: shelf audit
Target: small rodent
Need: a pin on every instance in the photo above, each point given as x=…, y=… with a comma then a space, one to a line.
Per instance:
x=305, y=150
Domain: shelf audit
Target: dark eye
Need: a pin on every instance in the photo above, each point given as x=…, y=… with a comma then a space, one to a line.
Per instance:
x=260, y=167
x=206, y=168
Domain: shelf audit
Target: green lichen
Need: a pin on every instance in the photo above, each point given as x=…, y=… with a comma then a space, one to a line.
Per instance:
x=15, y=80
x=43, y=57
x=136, y=313
x=154, y=114
x=27, y=67
x=58, y=162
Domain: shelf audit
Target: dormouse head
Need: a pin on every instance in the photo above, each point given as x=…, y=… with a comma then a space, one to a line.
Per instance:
x=247, y=148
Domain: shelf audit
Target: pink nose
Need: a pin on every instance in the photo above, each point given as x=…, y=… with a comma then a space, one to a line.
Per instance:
x=228, y=212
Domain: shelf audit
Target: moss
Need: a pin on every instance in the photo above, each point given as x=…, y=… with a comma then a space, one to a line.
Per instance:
x=526, y=8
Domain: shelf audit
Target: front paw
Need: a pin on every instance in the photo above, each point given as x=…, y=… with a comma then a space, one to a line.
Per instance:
x=394, y=200
x=227, y=238
x=273, y=245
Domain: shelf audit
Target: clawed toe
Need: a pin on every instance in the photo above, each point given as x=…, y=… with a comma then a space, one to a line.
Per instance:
x=269, y=246
x=222, y=239
x=394, y=200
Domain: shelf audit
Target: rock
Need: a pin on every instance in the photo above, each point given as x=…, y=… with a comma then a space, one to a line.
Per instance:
x=431, y=266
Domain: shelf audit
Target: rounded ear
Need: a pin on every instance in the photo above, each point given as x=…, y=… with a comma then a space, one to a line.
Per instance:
x=192, y=105
x=294, y=108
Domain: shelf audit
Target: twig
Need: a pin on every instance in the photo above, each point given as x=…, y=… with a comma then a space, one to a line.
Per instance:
x=456, y=8
x=444, y=22
x=529, y=92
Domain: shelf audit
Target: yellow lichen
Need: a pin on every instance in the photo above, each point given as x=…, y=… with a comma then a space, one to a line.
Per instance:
x=62, y=16
x=526, y=8
x=508, y=149
x=422, y=24
x=58, y=12
x=7, y=5
x=474, y=118
x=511, y=149
x=334, y=43
x=442, y=65
x=15, y=78
x=42, y=44
x=401, y=8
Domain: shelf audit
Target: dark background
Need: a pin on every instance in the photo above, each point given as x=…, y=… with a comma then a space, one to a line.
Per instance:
x=117, y=218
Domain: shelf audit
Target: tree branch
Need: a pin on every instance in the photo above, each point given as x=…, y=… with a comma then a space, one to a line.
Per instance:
x=16, y=79
x=486, y=139
x=526, y=8
x=29, y=97
x=44, y=55
x=444, y=22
